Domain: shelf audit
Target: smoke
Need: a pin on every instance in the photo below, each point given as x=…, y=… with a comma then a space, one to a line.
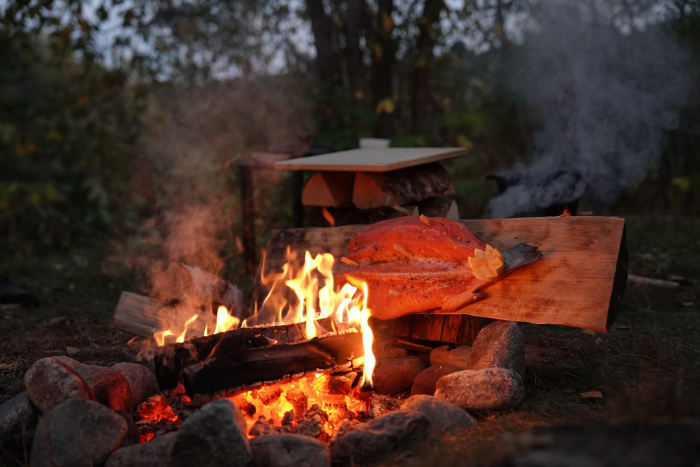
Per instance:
x=185, y=195
x=605, y=85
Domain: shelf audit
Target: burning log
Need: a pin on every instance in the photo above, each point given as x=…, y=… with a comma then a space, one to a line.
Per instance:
x=136, y=314
x=232, y=372
x=171, y=359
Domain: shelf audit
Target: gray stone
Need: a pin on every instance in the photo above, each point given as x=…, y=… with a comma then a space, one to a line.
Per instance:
x=155, y=453
x=369, y=443
x=457, y=356
x=18, y=420
x=142, y=382
x=69, y=361
x=499, y=345
x=425, y=381
x=489, y=389
x=50, y=381
x=215, y=435
x=391, y=375
x=77, y=433
x=444, y=417
x=289, y=450
x=109, y=386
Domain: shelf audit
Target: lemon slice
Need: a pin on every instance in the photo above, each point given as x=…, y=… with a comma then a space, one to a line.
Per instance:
x=488, y=264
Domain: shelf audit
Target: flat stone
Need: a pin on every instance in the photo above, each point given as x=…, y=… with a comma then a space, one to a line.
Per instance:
x=371, y=442
x=18, y=420
x=215, y=435
x=391, y=375
x=142, y=382
x=425, y=381
x=50, y=381
x=499, y=345
x=155, y=453
x=457, y=356
x=109, y=386
x=289, y=450
x=488, y=389
x=444, y=417
x=76, y=433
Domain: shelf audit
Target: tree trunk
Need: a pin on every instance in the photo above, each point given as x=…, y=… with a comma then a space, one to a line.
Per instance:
x=356, y=66
x=383, y=52
x=328, y=64
x=420, y=109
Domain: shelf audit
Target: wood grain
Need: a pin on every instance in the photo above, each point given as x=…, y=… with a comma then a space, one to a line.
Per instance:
x=136, y=314
x=329, y=189
x=578, y=282
x=371, y=159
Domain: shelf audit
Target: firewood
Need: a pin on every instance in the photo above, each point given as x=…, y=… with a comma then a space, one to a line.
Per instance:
x=372, y=190
x=172, y=358
x=136, y=314
x=249, y=368
x=578, y=282
x=329, y=189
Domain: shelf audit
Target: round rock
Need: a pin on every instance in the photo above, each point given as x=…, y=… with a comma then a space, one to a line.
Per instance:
x=371, y=442
x=155, y=453
x=18, y=420
x=109, y=386
x=426, y=380
x=69, y=361
x=213, y=436
x=489, y=389
x=444, y=417
x=382, y=348
x=457, y=356
x=50, y=382
x=142, y=382
x=289, y=450
x=499, y=345
x=77, y=433
x=394, y=374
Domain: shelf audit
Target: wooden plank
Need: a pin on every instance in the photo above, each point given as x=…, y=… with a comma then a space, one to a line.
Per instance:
x=329, y=189
x=371, y=159
x=136, y=314
x=578, y=281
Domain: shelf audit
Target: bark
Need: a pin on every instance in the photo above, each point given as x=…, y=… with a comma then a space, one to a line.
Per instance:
x=356, y=16
x=420, y=109
x=328, y=63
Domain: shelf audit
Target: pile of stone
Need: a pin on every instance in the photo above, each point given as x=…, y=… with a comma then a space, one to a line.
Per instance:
x=73, y=414
x=485, y=376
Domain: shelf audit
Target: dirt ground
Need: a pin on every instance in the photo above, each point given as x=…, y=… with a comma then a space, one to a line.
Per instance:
x=646, y=368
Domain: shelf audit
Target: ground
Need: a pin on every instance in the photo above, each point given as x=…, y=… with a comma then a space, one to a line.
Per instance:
x=646, y=368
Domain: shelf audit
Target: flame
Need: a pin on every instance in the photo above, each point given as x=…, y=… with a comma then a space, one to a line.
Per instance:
x=299, y=295
x=328, y=216
x=565, y=213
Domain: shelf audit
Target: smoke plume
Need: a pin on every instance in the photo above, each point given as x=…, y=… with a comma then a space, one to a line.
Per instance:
x=604, y=86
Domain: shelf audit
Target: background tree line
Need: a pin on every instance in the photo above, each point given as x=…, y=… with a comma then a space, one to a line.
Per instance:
x=112, y=113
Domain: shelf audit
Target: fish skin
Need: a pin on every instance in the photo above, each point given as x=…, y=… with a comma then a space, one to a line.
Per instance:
x=431, y=272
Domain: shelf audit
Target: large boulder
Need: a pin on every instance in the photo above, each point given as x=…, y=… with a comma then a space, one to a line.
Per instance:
x=155, y=453
x=288, y=450
x=18, y=420
x=371, y=442
x=213, y=436
x=499, y=345
x=457, y=356
x=394, y=374
x=426, y=381
x=489, y=389
x=109, y=386
x=50, y=381
x=76, y=433
x=142, y=382
x=444, y=417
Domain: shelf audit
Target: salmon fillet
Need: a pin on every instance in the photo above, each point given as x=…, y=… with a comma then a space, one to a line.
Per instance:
x=412, y=267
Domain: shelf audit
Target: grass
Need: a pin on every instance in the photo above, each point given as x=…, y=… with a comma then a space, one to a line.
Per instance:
x=647, y=370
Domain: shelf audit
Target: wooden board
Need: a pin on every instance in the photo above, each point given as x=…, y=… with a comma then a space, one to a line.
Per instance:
x=136, y=314
x=578, y=282
x=371, y=159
